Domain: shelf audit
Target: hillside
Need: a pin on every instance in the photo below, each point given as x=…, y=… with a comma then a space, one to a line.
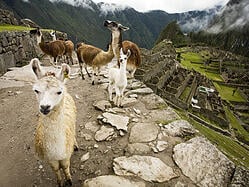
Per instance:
x=228, y=30
x=83, y=20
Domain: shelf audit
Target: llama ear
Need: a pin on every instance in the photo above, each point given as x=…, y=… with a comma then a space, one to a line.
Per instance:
x=123, y=28
x=128, y=53
x=121, y=51
x=64, y=73
x=36, y=67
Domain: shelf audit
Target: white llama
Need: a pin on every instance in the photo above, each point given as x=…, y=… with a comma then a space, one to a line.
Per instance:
x=55, y=133
x=118, y=78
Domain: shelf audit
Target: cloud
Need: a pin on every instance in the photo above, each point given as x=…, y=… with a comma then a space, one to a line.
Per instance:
x=170, y=6
x=111, y=8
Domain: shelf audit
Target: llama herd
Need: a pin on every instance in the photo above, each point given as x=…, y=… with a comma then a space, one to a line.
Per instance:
x=55, y=138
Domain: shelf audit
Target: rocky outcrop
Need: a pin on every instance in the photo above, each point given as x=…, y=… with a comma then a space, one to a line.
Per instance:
x=203, y=163
x=7, y=17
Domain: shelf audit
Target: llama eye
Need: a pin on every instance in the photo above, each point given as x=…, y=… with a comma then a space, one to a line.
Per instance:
x=59, y=93
x=125, y=58
x=36, y=91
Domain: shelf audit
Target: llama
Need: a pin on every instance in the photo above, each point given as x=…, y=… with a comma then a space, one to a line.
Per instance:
x=54, y=48
x=69, y=47
x=89, y=55
x=52, y=34
x=117, y=43
x=118, y=79
x=55, y=133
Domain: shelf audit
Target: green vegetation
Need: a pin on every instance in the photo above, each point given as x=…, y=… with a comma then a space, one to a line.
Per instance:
x=185, y=93
x=240, y=132
x=173, y=32
x=234, y=151
x=226, y=93
x=195, y=61
x=13, y=28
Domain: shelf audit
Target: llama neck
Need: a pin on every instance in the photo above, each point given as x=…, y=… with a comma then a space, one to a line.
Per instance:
x=116, y=42
x=44, y=46
x=122, y=71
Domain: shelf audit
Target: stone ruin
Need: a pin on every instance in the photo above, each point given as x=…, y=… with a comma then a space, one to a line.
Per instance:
x=178, y=86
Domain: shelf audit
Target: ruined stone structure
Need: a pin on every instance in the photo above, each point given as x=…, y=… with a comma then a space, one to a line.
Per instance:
x=161, y=72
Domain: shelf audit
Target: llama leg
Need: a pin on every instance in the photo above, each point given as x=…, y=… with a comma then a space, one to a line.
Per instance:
x=82, y=75
x=56, y=168
x=117, y=99
x=85, y=66
x=122, y=96
x=65, y=164
x=76, y=146
x=93, y=76
x=110, y=88
x=133, y=72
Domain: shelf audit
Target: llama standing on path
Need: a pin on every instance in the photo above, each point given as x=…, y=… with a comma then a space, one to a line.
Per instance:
x=54, y=48
x=118, y=78
x=55, y=134
x=117, y=43
x=89, y=55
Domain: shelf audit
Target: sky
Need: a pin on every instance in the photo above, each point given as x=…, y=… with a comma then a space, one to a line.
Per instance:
x=170, y=6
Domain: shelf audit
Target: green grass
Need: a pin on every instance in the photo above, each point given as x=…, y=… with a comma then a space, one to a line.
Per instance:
x=226, y=93
x=13, y=28
x=234, y=151
x=18, y=28
x=238, y=129
x=198, y=66
x=185, y=94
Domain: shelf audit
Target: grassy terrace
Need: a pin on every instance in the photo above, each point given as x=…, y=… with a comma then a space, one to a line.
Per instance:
x=234, y=151
x=197, y=65
x=226, y=93
x=18, y=28
x=240, y=132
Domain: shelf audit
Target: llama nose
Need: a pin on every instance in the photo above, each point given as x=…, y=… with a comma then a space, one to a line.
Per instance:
x=45, y=109
x=121, y=60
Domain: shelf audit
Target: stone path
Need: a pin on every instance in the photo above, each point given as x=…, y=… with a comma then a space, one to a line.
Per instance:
x=155, y=148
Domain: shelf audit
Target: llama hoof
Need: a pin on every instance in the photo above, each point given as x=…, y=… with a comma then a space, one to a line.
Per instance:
x=75, y=148
x=68, y=182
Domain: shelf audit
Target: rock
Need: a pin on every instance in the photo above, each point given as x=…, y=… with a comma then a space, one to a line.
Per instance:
x=92, y=126
x=163, y=115
x=137, y=111
x=128, y=101
x=203, y=163
x=161, y=145
x=103, y=133
x=115, y=110
x=133, y=96
x=179, y=128
x=143, y=132
x=240, y=177
x=112, y=181
x=153, y=101
x=86, y=136
x=85, y=157
x=120, y=122
x=147, y=167
x=142, y=91
x=102, y=105
x=138, y=148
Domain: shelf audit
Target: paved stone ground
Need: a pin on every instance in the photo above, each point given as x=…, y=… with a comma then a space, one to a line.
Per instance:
x=145, y=143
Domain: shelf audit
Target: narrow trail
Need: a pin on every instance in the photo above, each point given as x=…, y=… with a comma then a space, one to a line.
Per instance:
x=132, y=142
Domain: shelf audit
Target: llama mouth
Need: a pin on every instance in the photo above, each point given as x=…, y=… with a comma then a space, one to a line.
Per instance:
x=45, y=112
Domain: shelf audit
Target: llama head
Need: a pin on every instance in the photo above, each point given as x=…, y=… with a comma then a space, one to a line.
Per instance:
x=49, y=87
x=37, y=33
x=52, y=34
x=115, y=26
x=124, y=57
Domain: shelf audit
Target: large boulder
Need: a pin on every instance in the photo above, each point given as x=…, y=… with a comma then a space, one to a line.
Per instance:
x=203, y=163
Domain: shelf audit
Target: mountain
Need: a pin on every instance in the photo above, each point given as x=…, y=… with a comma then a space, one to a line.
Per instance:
x=228, y=30
x=83, y=19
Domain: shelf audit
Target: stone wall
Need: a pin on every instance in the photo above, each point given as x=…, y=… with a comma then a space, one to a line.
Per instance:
x=7, y=17
x=16, y=48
